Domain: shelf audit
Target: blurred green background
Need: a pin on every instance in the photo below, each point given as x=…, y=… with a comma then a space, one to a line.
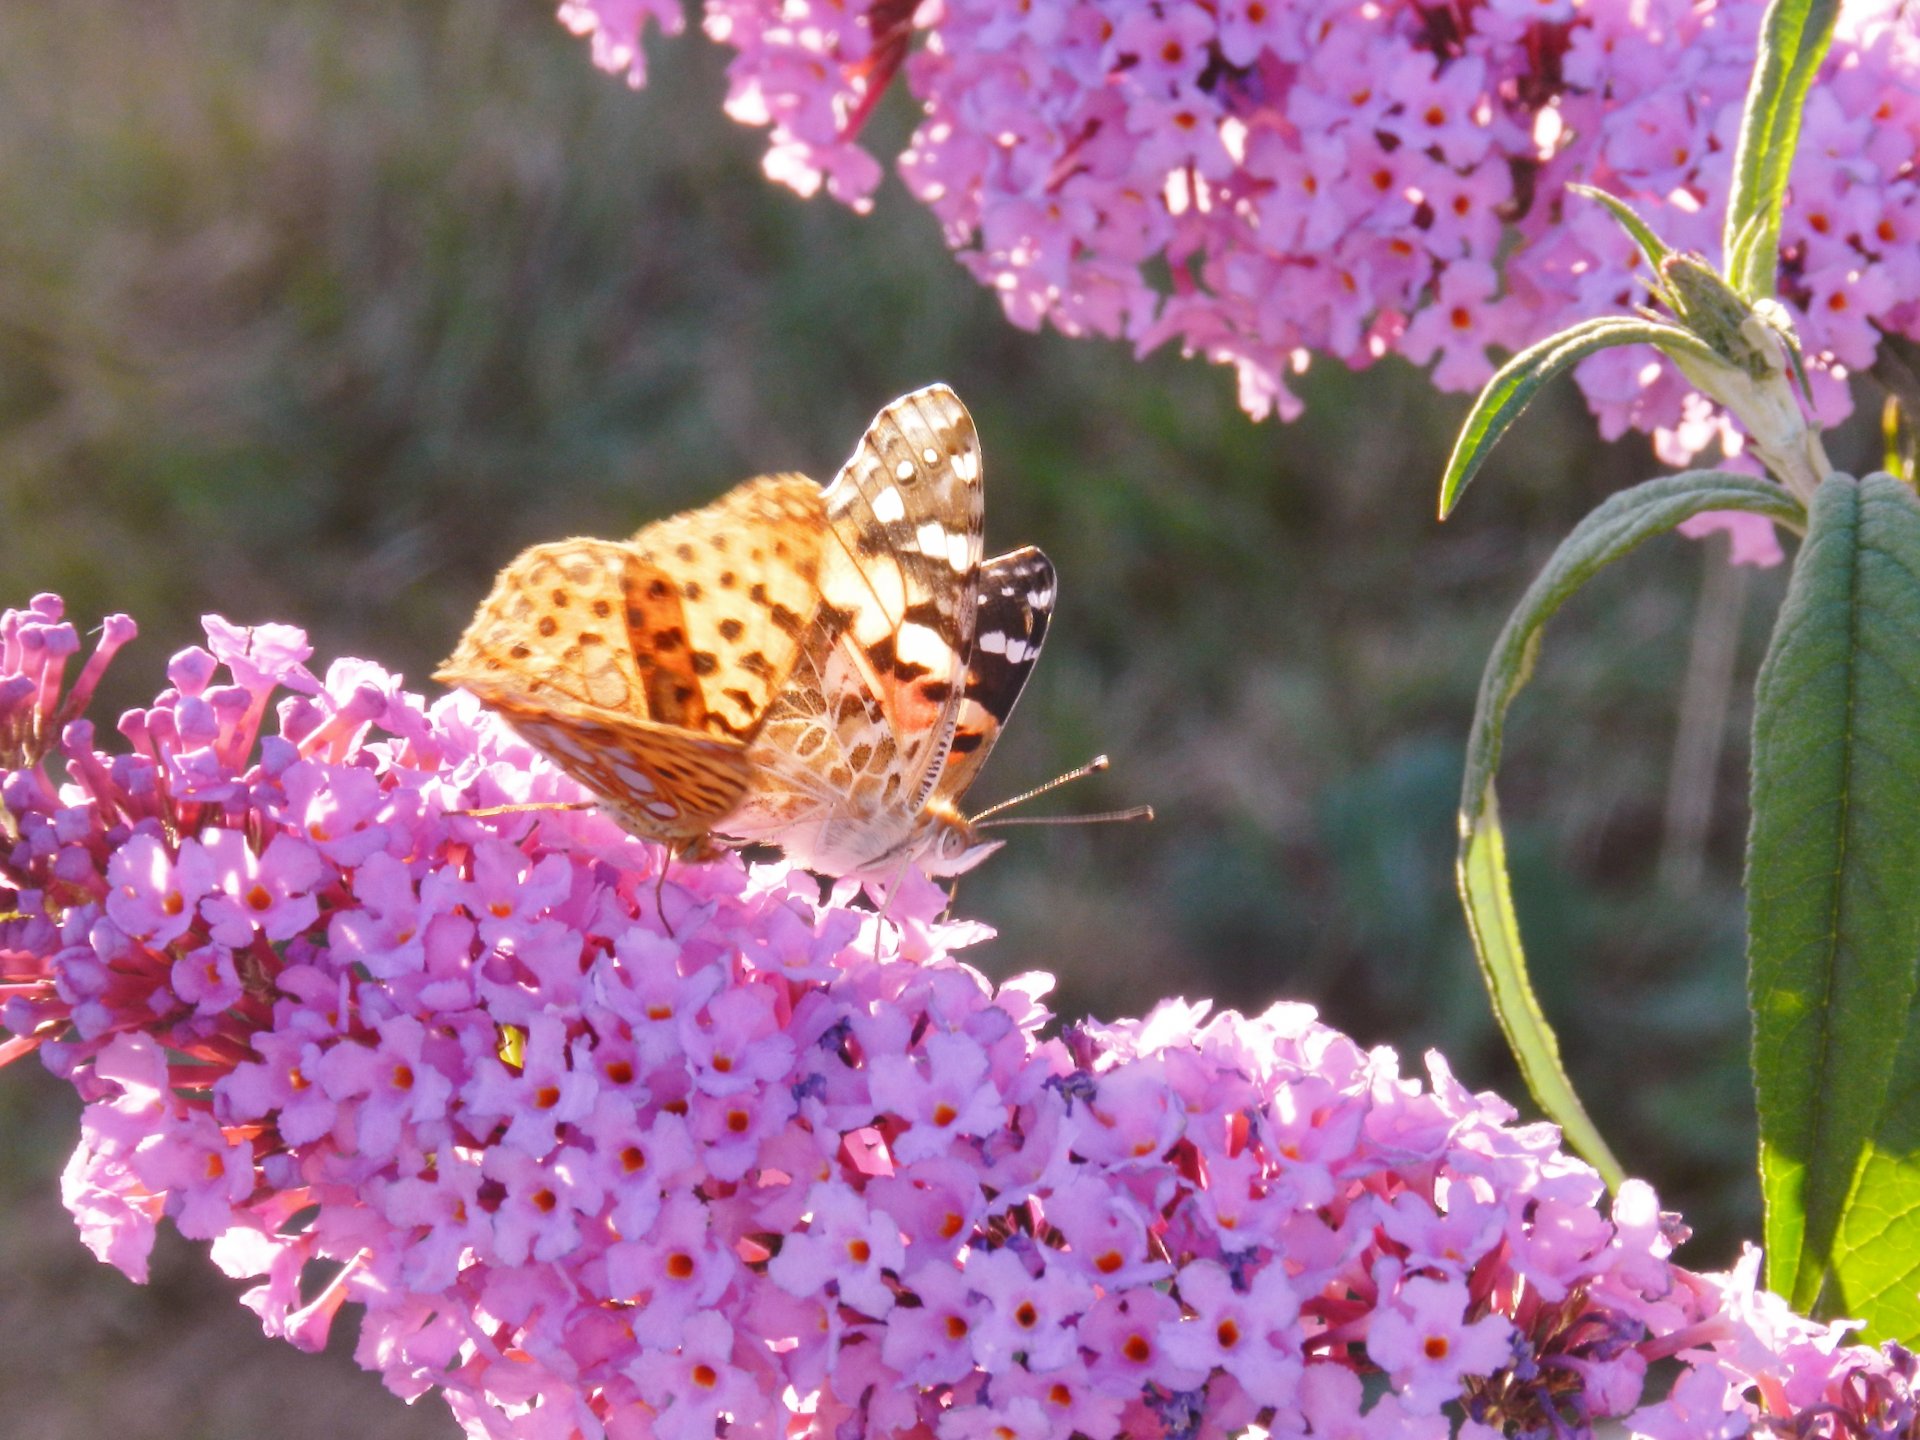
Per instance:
x=319, y=311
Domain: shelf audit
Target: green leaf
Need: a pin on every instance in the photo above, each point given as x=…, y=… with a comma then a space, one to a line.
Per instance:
x=1614, y=529
x=1833, y=888
x=1651, y=245
x=1514, y=386
x=1876, y=1258
x=1749, y=253
x=1793, y=41
x=1488, y=898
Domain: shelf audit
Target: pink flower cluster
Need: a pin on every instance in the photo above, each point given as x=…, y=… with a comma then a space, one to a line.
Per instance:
x=1260, y=181
x=605, y=1156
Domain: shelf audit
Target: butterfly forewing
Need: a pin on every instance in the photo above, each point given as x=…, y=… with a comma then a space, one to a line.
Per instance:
x=853, y=748
x=555, y=630
x=901, y=564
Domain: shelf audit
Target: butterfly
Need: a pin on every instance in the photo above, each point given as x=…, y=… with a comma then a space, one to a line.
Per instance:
x=825, y=671
x=919, y=652
x=645, y=668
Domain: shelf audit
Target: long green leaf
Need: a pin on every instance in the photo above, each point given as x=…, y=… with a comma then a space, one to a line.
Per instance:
x=1876, y=1258
x=1488, y=898
x=1793, y=41
x=1619, y=525
x=1515, y=384
x=1833, y=878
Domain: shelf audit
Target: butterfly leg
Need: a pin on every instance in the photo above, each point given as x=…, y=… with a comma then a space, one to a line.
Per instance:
x=953, y=892
x=489, y=811
x=886, y=903
x=660, y=891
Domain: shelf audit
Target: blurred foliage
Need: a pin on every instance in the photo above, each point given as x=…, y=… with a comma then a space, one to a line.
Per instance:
x=319, y=311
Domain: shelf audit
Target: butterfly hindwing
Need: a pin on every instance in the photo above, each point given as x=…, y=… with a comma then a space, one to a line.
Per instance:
x=643, y=669
x=1014, y=604
x=658, y=781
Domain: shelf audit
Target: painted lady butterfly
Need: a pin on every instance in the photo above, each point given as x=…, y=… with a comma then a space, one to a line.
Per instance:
x=821, y=670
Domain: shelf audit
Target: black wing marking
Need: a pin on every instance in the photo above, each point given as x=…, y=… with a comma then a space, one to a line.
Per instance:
x=1015, y=601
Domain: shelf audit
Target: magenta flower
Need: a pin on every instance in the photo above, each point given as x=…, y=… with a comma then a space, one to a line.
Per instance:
x=1428, y=1347
x=846, y=1245
x=1211, y=174
x=1242, y=1326
x=269, y=893
x=155, y=894
x=952, y=1098
x=1457, y=328
x=704, y=1387
x=782, y=1169
x=932, y=1343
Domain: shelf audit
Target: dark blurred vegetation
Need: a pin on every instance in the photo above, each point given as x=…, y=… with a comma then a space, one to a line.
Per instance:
x=319, y=310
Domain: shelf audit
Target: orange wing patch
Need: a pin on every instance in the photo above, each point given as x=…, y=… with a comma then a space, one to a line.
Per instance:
x=644, y=668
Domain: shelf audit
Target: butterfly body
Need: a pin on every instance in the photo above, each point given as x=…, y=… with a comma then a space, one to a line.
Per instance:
x=823, y=670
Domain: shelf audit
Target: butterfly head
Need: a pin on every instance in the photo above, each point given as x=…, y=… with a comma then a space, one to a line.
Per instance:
x=945, y=842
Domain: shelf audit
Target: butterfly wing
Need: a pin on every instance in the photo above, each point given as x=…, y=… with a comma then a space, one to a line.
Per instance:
x=906, y=517
x=644, y=669
x=855, y=744
x=1015, y=603
x=745, y=573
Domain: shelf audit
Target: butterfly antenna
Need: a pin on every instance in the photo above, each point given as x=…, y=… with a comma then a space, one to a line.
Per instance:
x=1135, y=812
x=1092, y=767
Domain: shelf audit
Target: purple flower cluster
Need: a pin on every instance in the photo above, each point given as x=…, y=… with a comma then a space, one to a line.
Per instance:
x=1260, y=181
x=604, y=1156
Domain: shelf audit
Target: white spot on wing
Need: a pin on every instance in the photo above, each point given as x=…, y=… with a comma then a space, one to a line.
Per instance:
x=959, y=553
x=888, y=506
x=919, y=645
x=931, y=538
x=966, y=466
x=993, y=642
x=904, y=470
